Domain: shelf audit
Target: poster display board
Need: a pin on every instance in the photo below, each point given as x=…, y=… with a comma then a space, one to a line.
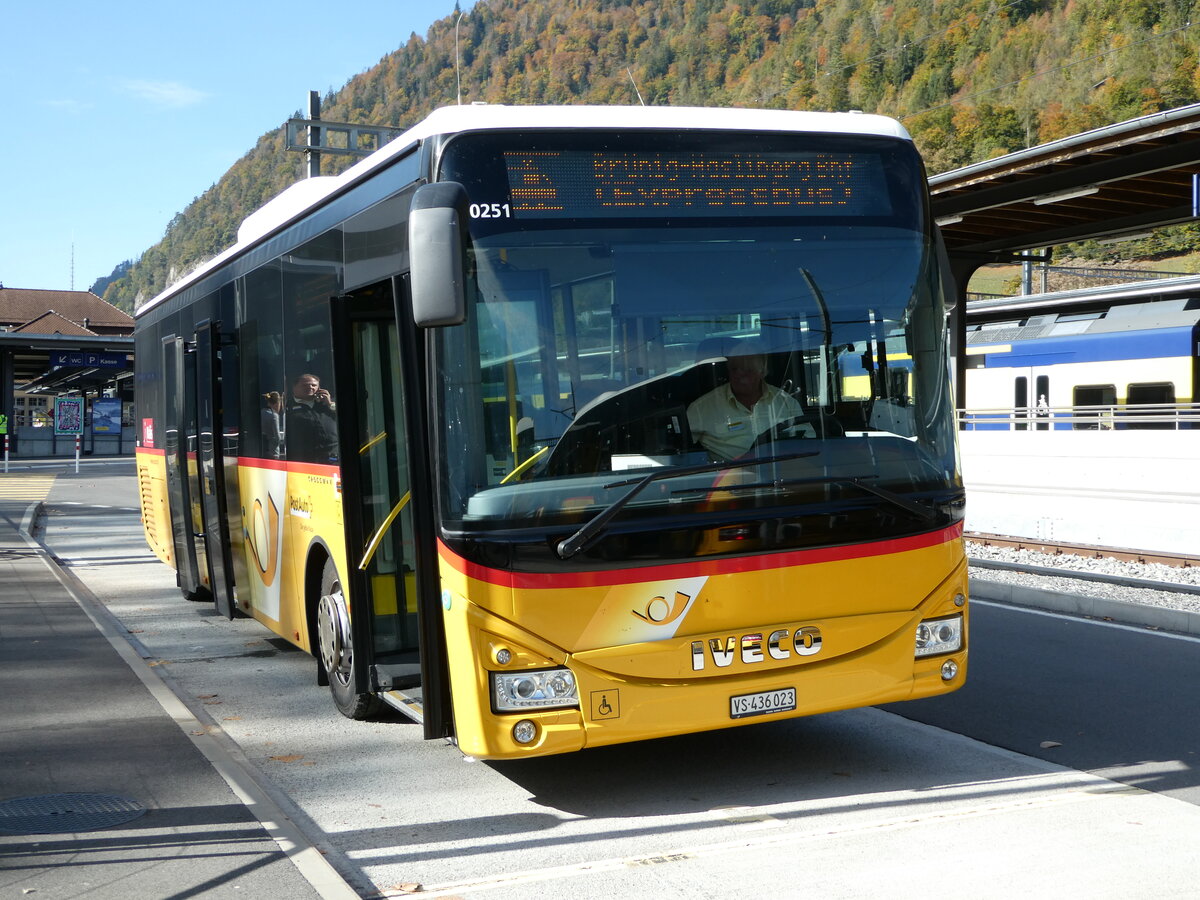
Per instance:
x=106, y=415
x=68, y=415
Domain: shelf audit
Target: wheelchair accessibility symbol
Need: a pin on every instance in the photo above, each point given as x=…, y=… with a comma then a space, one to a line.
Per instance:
x=606, y=704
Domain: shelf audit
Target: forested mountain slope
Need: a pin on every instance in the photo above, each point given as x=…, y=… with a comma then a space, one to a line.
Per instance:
x=971, y=79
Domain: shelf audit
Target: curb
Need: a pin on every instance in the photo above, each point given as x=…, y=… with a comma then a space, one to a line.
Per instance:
x=331, y=874
x=1180, y=621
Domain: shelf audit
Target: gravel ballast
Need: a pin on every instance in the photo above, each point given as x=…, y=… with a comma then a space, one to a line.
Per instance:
x=1185, y=599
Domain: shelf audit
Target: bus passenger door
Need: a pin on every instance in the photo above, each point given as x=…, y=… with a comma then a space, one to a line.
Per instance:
x=177, y=424
x=380, y=514
x=210, y=465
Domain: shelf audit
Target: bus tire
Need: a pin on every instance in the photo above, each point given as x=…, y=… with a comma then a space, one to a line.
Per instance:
x=335, y=649
x=201, y=594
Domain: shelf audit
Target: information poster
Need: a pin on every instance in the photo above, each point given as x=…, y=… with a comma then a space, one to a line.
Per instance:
x=68, y=415
x=106, y=415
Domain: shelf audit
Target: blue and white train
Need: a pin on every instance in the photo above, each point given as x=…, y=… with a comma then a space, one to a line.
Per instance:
x=1106, y=358
x=1082, y=417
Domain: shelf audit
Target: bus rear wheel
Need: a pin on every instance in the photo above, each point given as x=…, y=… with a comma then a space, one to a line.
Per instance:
x=336, y=649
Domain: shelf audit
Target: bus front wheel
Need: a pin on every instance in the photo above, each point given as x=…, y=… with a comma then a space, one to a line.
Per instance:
x=336, y=648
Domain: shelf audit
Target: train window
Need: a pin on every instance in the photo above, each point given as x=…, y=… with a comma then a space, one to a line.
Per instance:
x=1149, y=405
x=1094, y=405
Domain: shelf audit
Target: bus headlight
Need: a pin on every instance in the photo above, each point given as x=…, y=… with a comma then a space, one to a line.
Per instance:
x=546, y=689
x=935, y=636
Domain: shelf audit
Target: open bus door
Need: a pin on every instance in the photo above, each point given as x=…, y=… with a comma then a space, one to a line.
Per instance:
x=390, y=535
x=180, y=428
x=210, y=466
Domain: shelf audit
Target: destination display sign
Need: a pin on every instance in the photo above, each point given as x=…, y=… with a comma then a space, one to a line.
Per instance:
x=625, y=184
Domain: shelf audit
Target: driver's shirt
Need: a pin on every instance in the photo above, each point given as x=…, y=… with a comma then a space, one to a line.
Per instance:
x=727, y=429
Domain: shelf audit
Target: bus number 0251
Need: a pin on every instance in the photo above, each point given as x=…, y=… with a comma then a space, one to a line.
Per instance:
x=491, y=211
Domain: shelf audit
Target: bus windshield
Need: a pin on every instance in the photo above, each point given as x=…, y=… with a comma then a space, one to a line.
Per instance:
x=755, y=321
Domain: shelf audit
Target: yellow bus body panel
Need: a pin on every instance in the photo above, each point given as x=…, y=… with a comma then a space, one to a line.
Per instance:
x=286, y=509
x=152, y=497
x=655, y=651
x=664, y=656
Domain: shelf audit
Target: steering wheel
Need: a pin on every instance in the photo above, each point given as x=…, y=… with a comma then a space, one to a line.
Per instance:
x=807, y=426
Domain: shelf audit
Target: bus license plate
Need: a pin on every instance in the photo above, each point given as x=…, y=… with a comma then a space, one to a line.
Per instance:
x=763, y=703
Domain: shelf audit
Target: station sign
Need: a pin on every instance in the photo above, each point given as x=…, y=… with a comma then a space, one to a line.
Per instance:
x=88, y=358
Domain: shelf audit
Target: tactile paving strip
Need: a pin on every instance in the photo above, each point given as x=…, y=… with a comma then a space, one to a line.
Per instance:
x=63, y=813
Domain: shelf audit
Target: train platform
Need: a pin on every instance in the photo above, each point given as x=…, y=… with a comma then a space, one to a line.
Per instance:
x=109, y=786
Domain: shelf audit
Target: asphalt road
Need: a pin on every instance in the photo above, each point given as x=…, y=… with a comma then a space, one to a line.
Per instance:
x=1113, y=700
x=855, y=804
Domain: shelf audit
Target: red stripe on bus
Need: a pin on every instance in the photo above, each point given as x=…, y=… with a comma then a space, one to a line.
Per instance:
x=282, y=465
x=254, y=462
x=697, y=568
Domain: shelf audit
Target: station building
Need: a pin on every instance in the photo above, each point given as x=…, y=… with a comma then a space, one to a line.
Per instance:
x=69, y=344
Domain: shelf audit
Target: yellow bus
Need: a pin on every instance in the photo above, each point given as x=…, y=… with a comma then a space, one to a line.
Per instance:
x=472, y=424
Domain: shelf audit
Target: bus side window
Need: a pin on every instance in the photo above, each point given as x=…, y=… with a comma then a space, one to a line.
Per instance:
x=259, y=297
x=311, y=275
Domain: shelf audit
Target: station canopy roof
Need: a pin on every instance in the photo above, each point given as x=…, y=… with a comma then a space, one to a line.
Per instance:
x=1114, y=182
x=59, y=341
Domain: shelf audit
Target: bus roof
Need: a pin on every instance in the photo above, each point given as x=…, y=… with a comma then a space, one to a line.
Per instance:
x=295, y=201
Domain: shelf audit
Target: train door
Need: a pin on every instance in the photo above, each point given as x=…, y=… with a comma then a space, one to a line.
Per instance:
x=1041, y=401
x=1031, y=400
x=395, y=620
x=1020, y=412
x=179, y=425
x=210, y=465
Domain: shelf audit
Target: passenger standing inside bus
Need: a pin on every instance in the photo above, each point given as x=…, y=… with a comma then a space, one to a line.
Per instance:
x=728, y=419
x=272, y=424
x=311, y=422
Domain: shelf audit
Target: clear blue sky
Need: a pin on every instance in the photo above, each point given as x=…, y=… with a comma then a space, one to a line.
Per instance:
x=120, y=114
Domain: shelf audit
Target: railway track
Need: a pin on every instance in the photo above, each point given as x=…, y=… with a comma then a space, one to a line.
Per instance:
x=1120, y=569
x=1089, y=552
x=1173, y=587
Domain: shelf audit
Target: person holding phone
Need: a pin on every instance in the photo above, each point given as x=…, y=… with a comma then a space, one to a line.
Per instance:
x=311, y=422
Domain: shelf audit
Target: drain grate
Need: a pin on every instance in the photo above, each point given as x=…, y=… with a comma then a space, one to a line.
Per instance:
x=62, y=813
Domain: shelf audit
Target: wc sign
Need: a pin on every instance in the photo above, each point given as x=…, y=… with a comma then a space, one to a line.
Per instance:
x=87, y=358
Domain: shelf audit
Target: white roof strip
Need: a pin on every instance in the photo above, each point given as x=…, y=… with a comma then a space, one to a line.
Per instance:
x=294, y=202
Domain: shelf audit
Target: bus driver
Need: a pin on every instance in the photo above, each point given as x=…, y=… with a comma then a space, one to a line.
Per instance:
x=729, y=418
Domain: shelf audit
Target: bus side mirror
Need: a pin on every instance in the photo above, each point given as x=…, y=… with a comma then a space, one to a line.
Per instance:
x=949, y=285
x=437, y=238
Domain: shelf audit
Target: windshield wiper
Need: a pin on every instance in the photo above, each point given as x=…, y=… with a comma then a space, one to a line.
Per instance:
x=576, y=542
x=925, y=513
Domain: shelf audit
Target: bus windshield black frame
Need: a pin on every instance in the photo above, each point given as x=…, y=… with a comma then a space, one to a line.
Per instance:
x=614, y=273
